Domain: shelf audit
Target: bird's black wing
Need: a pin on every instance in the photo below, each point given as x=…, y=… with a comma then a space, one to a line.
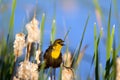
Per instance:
x=48, y=52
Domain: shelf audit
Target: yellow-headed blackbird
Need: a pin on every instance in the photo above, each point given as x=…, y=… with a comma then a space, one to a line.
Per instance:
x=53, y=55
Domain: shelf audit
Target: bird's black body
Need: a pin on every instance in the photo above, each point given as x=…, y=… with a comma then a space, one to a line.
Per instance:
x=53, y=56
x=51, y=62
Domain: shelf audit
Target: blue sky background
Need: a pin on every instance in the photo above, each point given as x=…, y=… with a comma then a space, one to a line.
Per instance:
x=69, y=13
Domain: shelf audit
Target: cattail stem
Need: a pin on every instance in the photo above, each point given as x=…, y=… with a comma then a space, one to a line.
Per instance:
x=28, y=52
x=13, y=69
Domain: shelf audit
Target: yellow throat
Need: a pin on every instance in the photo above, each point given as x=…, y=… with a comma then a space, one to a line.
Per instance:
x=56, y=51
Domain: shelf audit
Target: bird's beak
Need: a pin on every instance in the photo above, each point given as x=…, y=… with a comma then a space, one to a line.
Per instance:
x=62, y=43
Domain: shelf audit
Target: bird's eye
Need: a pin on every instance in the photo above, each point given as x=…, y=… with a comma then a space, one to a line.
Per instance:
x=59, y=42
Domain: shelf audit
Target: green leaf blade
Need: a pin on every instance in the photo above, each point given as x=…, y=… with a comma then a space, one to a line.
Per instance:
x=53, y=32
x=42, y=30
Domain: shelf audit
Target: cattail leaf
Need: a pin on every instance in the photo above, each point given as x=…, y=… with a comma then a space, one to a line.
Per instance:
x=95, y=43
x=49, y=72
x=42, y=30
x=42, y=71
x=53, y=32
x=11, y=25
x=112, y=36
x=96, y=55
x=60, y=74
x=97, y=6
x=108, y=45
x=81, y=55
x=67, y=33
x=74, y=64
x=114, y=61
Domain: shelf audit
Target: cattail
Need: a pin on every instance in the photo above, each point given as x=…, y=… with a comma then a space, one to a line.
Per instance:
x=19, y=44
x=67, y=73
x=33, y=35
x=27, y=71
x=67, y=58
x=37, y=57
x=33, y=31
x=118, y=69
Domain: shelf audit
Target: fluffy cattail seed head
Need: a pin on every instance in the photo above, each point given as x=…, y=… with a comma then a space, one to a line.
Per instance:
x=19, y=44
x=27, y=71
x=33, y=31
x=67, y=58
x=67, y=73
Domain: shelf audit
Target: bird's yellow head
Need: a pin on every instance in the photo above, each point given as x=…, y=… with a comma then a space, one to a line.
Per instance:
x=57, y=46
x=58, y=42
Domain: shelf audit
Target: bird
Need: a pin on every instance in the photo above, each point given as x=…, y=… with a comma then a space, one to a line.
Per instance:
x=53, y=56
